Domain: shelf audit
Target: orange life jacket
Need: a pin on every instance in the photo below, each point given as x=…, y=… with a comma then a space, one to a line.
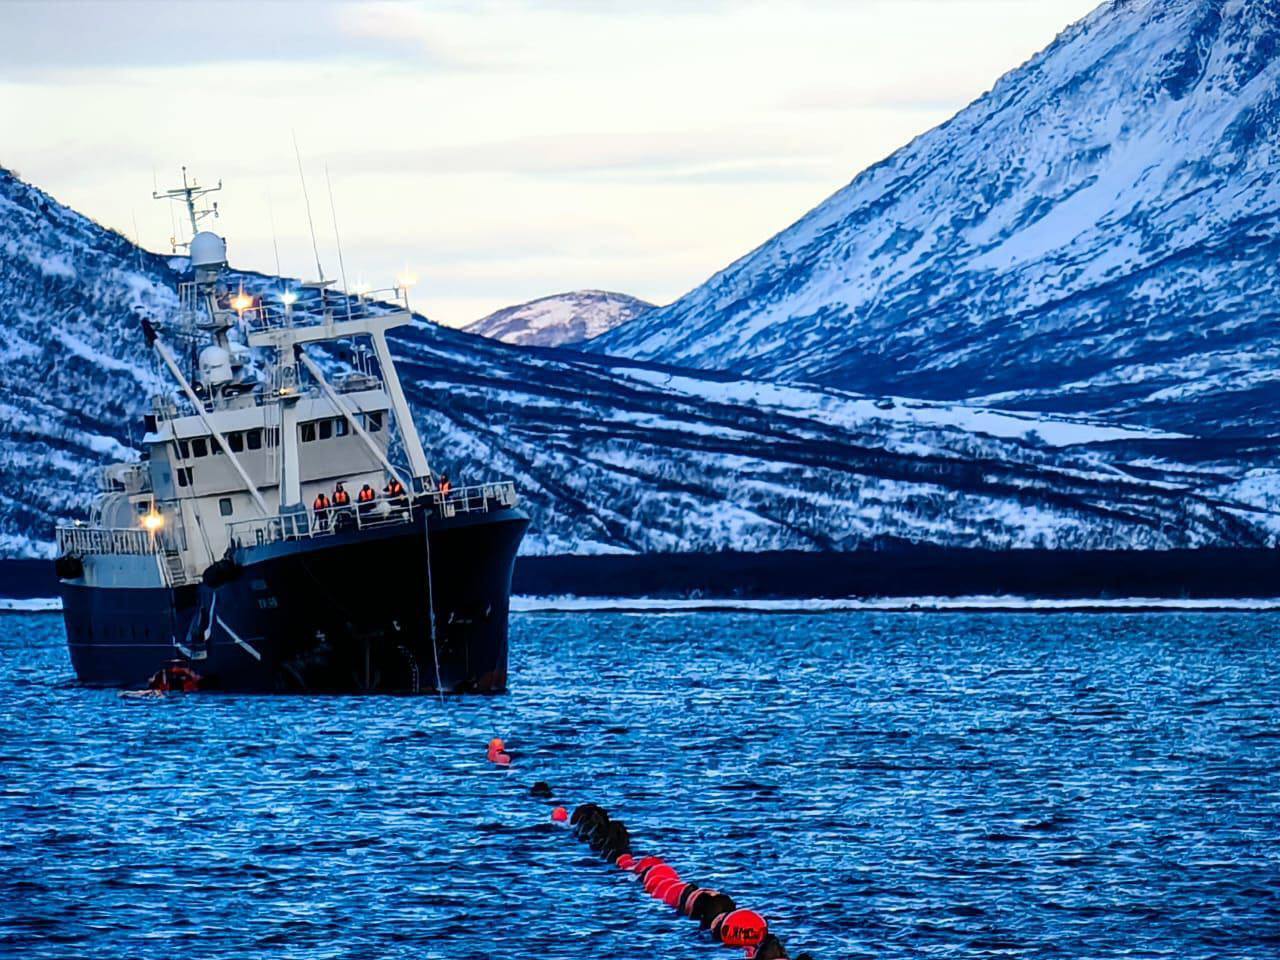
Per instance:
x=366, y=494
x=395, y=488
x=321, y=502
x=445, y=486
x=341, y=498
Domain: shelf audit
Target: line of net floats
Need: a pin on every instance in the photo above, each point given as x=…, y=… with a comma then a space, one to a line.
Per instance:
x=715, y=911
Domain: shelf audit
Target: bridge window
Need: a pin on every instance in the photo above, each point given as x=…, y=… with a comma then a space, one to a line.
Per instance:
x=184, y=450
x=184, y=476
x=254, y=439
x=341, y=427
x=373, y=421
x=200, y=446
x=326, y=429
x=235, y=440
x=308, y=432
x=224, y=506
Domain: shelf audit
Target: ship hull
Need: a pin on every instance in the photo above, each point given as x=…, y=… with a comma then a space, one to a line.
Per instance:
x=348, y=612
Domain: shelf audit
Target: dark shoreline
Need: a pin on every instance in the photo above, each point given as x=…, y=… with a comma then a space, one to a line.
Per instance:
x=888, y=570
x=903, y=570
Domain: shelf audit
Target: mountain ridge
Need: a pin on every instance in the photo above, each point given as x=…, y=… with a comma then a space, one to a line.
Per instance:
x=560, y=319
x=1097, y=234
x=610, y=456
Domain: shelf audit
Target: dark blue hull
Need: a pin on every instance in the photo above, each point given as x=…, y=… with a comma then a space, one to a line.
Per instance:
x=341, y=613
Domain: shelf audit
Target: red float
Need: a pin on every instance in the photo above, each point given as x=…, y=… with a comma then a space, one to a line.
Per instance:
x=644, y=863
x=672, y=897
x=742, y=928
x=626, y=861
x=657, y=875
x=559, y=814
x=496, y=752
x=660, y=890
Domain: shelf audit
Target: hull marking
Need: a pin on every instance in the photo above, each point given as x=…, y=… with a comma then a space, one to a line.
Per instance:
x=236, y=637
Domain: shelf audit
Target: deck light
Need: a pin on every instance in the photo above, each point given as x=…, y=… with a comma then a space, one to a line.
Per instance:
x=153, y=521
x=241, y=302
x=288, y=298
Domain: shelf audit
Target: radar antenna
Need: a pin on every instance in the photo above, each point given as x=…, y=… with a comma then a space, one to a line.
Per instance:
x=188, y=194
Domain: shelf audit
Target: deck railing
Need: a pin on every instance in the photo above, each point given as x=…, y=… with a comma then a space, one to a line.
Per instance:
x=309, y=524
x=130, y=541
x=383, y=512
x=479, y=498
x=319, y=306
x=300, y=306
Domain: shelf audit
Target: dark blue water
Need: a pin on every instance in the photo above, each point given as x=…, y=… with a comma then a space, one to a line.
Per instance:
x=891, y=785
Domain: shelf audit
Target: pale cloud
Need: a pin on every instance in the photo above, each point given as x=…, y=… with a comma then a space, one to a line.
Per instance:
x=503, y=150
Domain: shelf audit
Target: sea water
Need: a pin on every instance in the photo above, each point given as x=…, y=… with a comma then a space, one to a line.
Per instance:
x=877, y=784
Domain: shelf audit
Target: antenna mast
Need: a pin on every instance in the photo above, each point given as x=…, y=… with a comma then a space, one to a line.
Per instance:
x=275, y=242
x=333, y=215
x=307, y=200
x=189, y=193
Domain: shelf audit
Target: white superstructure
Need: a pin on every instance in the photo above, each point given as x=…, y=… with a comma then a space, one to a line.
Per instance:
x=257, y=429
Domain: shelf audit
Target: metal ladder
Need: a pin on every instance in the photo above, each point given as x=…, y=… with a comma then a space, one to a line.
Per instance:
x=174, y=568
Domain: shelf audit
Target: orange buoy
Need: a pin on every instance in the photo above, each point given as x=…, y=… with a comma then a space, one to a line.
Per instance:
x=672, y=896
x=559, y=814
x=742, y=928
x=660, y=889
x=625, y=862
x=657, y=875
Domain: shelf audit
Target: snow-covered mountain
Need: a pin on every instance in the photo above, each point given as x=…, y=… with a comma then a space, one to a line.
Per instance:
x=1100, y=233
x=565, y=318
x=610, y=456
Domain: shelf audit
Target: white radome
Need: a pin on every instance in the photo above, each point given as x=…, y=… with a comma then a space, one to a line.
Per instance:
x=208, y=250
x=215, y=365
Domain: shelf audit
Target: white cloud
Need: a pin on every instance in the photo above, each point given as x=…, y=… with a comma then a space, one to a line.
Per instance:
x=504, y=150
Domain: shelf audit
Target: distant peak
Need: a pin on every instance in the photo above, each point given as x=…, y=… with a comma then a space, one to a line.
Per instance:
x=561, y=318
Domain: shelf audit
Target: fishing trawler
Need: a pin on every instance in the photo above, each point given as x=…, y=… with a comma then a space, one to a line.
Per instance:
x=283, y=529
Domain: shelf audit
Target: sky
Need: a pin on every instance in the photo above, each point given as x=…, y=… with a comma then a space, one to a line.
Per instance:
x=498, y=152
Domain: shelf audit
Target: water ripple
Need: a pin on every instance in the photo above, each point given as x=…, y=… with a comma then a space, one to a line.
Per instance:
x=880, y=785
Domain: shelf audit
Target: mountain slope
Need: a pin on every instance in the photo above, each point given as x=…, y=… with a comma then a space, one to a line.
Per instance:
x=609, y=457
x=1100, y=233
x=565, y=318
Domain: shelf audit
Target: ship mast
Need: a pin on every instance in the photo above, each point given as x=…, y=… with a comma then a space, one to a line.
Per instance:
x=265, y=327
x=189, y=193
x=207, y=253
